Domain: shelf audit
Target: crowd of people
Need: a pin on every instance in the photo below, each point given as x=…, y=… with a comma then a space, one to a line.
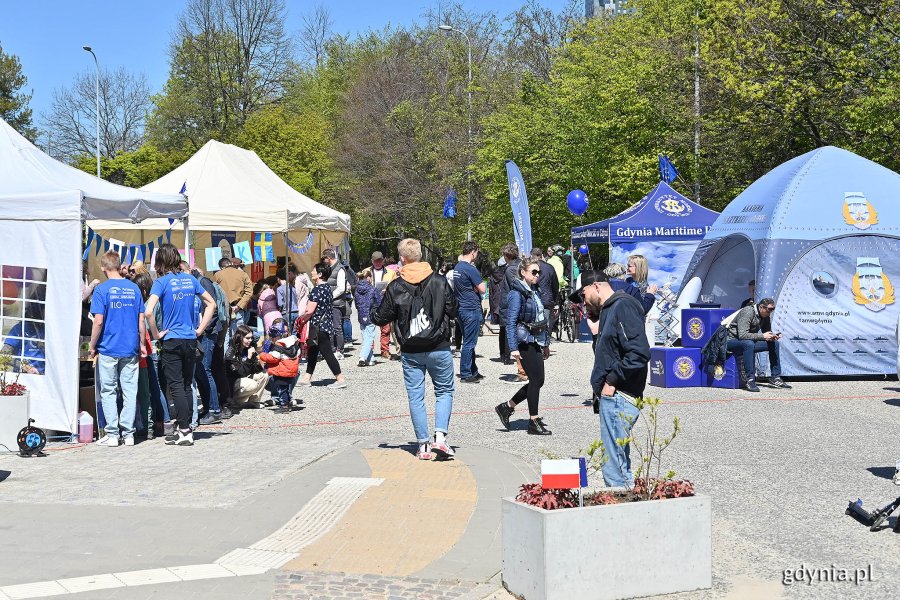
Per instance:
x=186, y=349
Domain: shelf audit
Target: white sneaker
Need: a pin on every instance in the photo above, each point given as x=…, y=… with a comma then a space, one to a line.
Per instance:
x=442, y=449
x=338, y=385
x=108, y=440
x=129, y=441
x=339, y=355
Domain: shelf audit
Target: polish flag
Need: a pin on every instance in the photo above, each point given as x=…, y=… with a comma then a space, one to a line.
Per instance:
x=569, y=473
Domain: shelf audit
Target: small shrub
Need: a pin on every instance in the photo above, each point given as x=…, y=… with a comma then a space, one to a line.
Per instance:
x=533, y=494
x=663, y=488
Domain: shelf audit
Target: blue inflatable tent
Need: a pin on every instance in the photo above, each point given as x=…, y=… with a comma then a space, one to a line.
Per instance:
x=665, y=227
x=821, y=235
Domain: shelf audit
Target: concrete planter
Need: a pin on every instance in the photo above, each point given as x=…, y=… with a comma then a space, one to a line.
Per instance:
x=14, y=412
x=607, y=552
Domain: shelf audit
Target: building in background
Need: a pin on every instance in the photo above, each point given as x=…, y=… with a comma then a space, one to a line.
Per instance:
x=596, y=8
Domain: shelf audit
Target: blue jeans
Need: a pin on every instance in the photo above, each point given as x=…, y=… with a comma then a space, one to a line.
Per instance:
x=203, y=374
x=113, y=372
x=439, y=365
x=157, y=398
x=368, y=341
x=617, y=417
x=348, y=329
x=241, y=318
x=471, y=325
x=280, y=388
x=745, y=350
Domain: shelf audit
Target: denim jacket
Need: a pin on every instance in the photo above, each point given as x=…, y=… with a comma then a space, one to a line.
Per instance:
x=524, y=307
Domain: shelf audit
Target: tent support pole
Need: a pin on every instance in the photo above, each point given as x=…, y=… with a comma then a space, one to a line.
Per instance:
x=287, y=286
x=187, y=238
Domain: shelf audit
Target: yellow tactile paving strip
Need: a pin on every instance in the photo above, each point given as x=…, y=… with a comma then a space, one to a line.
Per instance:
x=400, y=527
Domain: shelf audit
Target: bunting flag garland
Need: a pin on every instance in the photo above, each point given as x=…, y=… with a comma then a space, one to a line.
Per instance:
x=303, y=248
x=127, y=252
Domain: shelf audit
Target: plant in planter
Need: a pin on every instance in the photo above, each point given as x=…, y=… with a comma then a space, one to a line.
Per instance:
x=14, y=399
x=7, y=387
x=554, y=549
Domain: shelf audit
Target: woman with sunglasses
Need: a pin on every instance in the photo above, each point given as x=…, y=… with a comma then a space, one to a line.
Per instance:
x=527, y=334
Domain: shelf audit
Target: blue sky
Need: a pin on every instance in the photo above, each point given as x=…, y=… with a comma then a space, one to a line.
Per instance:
x=47, y=35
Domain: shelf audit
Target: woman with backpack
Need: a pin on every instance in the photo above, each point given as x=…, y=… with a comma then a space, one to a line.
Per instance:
x=320, y=316
x=367, y=299
x=527, y=334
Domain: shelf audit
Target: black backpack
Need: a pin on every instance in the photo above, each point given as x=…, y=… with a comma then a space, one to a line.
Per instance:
x=420, y=326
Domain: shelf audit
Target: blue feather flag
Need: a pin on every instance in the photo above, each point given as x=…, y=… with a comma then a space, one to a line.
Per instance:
x=450, y=204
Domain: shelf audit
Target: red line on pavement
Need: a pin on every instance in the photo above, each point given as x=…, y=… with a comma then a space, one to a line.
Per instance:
x=549, y=408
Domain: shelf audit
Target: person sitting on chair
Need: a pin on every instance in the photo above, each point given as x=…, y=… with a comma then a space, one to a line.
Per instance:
x=746, y=338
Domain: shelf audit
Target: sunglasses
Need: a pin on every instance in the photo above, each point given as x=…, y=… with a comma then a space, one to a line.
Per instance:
x=535, y=272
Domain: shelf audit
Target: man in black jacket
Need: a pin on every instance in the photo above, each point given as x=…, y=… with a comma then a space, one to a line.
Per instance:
x=620, y=372
x=422, y=303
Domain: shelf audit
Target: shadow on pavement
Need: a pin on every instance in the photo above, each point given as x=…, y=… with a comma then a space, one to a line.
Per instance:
x=883, y=472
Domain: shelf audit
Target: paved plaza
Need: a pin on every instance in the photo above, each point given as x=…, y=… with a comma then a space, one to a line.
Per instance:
x=329, y=502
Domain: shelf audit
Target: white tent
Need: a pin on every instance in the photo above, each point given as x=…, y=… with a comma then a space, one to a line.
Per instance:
x=231, y=189
x=42, y=205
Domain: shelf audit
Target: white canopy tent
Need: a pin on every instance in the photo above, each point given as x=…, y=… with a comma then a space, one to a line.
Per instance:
x=42, y=205
x=231, y=189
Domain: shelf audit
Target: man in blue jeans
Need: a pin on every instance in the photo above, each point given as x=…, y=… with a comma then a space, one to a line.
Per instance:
x=749, y=332
x=621, y=356
x=421, y=304
x=468, y=286
x=116, y=338
x=203, y=368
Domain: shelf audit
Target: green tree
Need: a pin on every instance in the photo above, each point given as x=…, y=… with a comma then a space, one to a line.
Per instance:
x=13, y=103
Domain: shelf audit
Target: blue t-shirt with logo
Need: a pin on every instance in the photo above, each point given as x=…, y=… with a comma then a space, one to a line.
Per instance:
x=120, y=303
x=465, y=279
x=176, y=293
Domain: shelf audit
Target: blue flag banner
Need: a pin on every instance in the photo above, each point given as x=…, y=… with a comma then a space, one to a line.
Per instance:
x=183, y=190
x=450, y=205
x=519, y=201
x=667, y=171
x=262, y=247
x=97, y=244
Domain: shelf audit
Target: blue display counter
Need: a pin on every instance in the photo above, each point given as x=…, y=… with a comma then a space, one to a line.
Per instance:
x=675, y=367
x=698, y=325
x=727, y=378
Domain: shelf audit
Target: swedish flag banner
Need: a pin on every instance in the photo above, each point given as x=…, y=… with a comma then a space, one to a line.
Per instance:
x=262, y=247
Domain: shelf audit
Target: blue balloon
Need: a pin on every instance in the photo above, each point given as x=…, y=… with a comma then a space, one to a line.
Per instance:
x=583, y=249
x=577, y=202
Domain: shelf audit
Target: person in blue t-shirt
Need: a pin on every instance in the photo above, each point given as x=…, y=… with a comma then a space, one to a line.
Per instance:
x=175, y=291
x=118, y=329
x=468, y=286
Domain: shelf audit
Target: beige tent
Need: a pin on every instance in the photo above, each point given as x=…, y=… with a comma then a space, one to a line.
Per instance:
x=231, y=190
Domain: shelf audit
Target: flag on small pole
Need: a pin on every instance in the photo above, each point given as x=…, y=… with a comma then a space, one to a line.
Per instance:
x=567, y=474
x=667, y=171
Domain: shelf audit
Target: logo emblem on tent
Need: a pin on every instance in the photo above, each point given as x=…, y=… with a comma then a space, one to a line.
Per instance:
x=695, y=328
x=684, y=367
x=871, y=287
x=858, y=211
x=670, y=205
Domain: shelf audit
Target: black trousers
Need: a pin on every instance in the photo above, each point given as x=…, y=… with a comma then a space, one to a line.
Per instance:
x=504, y=351
x=532, y=357
x=323, y=347
x=177, y=363
x=457, y=334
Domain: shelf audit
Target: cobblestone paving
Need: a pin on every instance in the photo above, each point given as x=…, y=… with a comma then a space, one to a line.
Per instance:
x=308, y=585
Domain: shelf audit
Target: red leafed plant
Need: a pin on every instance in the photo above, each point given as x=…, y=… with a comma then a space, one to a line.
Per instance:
x=550, y=499
x=9, y=388
x=663, y=488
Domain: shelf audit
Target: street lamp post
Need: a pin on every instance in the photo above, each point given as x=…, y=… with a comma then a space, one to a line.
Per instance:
x=469, y=157
x=97, y=100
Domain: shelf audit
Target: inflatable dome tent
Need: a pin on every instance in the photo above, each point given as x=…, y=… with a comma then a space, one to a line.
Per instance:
x=820, y=234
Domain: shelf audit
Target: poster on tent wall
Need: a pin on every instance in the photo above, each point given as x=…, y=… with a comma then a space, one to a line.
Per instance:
x=667, y=261
x=837, y=309
x=40, y=314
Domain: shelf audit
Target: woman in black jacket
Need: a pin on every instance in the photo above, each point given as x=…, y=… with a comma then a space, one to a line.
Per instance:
x=527, y=334
x=246, y=374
